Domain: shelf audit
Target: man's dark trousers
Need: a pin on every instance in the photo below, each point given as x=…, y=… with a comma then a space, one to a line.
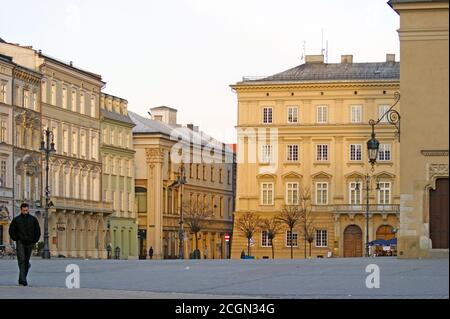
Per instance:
x=23, y=258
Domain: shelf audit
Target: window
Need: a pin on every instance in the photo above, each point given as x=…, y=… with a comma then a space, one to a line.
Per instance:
x=291, y=193
x=321, y=238
x=94, y=147
x=76, y=190
x=266, y=153
x=322, y=152
x=220, y=176
x=26, y=98
x=112, y=166
x=105, y=135
x=3, y=173
x=265, y=241
x=384, y=194
x=35, y=101
x=267, y=115
x=64, y=97
x=322, y=114
x=355, y=152
x=28, y=181
x=267, y=193
x=83, y=145
x=197, y=170
x=204, y=172
x=65, y=142
x=67, y=178
x=3, y=130
x=356, y=113
x=82, y=103
x=212, y=174
x=322, y=193
x=73, y=101
x=55, y=137
x=93, y=106
x=291, y=239
x=53, y=93
x=2, y=92
x=228, y=177
x=119, y=138
x=221, y=206
x=292, y=114
x=74, y=143
x=382, y=109
x=384, y=152
x=355, y=193
x=292, y=153
x=111, y=136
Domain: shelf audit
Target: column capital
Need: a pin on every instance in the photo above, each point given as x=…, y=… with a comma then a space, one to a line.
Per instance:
x=154, y=155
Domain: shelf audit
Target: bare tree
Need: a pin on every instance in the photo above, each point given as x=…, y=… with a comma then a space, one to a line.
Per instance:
x=307, y=218
x=273, y=227
x=291, y=217
x=248, y=224
x=197, y=216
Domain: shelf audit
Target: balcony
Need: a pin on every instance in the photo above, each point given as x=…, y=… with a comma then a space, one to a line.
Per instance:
x=373, y=208
x=82, y=205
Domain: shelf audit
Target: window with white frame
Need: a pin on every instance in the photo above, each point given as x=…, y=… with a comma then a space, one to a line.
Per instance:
x=384, y=193
x=291, y=239
x=322, y=193
x=74, y=143
x=65, y=141
x=267, y=115
x=355, y=193
x=73, y=101
x=26, y=99
x=292, y=152
x=322, y=152
x=53, y=93
x=93, y=106
x=266, y=153
x=292, y=114
x=382, y=109
x=3, y=92
x=3, y=129
x=265, y=241
x=321, y=238
x=356, y=113
x=64, y=97
x=83, y=144
x=322, y=114
x=384, y=152
x=292, y=193
x=82, y=103
x=3, y=174
x=355, y=152
x=267, y=193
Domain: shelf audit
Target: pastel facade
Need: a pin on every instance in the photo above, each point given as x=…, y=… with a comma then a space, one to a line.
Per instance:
x=424, y=144
x=118, y=174
x=158, y=200
x=306, y=129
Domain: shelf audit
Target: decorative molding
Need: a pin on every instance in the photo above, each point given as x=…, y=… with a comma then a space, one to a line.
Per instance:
x=436, y=171
x=434, y=152
x=154, y=155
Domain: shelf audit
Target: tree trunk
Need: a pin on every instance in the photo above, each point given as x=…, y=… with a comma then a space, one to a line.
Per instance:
x=310, y=244
x=305, y=246
x=273, y=251
x=292, y=242
x=196, y=241
x=248, y=246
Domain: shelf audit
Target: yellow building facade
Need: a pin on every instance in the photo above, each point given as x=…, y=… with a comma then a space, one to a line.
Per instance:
x=209, y=180
x=306, y=129
x=424, y=85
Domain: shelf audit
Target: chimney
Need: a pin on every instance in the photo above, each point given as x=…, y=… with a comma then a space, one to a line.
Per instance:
x=390, y=57
x=190, y=126
x=314, y=59
x=346, y=59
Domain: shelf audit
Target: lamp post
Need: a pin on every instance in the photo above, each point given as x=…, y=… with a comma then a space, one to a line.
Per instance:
x=181, y=180
x=367, y=188
x=48, y=147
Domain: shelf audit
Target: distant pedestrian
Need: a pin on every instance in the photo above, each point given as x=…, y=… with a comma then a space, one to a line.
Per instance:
x=150, y=252
x=205, y=253
x=24, y=230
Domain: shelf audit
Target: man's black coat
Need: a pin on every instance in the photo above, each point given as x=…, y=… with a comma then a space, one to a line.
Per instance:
x=25, y=228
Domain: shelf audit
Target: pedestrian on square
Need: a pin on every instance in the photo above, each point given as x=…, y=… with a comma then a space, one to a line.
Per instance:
x=25, y=231
x=205, y=253
x=150, y=252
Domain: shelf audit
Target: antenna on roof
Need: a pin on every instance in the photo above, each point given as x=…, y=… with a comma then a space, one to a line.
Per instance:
x=302, y=59
x=326, y=53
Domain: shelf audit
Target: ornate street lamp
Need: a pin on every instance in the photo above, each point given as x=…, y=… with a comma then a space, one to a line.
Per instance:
x=181, y=180
x=367, y=180
x=373, y=146
x=48, y=147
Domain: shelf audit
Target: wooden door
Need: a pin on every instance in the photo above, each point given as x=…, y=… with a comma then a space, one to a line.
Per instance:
x=353, y=241
x=439, y=214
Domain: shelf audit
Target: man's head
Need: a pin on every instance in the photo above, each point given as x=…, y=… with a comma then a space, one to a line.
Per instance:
x=24, y=208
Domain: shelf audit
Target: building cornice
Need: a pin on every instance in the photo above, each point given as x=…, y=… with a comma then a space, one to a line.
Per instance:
x=311, y=85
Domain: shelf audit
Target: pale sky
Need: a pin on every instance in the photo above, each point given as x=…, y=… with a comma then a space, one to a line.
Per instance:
x=186, y=53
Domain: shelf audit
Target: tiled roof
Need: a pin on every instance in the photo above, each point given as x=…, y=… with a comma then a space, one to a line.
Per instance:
x=117, y=117
x=414, y=1
x=334, y=72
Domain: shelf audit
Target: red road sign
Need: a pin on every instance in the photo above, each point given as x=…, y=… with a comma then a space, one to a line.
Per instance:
x=227, y=237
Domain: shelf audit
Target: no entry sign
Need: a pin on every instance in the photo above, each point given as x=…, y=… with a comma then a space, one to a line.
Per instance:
x=227, y=237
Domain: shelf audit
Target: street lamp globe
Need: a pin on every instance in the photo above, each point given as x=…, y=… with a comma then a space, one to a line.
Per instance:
x=373, y=146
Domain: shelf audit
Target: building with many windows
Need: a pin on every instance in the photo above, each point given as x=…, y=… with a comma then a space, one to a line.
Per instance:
x=305, y=130
x=208, y=167
x=118, y=174
x=70, y=108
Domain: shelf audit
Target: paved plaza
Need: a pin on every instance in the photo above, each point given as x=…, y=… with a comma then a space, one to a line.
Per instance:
x=315, y=278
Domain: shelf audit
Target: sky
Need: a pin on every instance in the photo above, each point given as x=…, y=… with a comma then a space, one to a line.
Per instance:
x=185, y=53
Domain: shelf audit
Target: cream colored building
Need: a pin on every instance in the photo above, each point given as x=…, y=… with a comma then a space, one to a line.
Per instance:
x=158, y=199
x=70, y=107
x=424, y=127
x=307, y=128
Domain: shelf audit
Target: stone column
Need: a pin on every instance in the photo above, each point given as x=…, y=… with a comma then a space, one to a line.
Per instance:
x=155, y=157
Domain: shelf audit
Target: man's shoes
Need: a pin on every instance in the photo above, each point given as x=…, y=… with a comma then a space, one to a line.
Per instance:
x=23, y=283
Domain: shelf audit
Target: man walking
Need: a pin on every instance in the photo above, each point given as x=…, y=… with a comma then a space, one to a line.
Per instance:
x=25, y=230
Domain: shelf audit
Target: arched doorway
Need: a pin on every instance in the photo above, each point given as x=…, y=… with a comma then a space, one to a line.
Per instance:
x=385, y=232
x=439, y=214
x=353, y=241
